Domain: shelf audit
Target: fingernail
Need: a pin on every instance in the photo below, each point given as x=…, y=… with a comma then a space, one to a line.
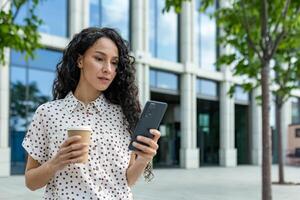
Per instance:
x=134, y=143
x=139, y=137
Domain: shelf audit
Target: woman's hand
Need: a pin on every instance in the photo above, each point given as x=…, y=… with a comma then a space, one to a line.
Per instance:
x=146, y=153
x=70, y=152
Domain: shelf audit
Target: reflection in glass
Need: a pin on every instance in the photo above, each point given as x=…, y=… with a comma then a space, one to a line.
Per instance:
x=105, y=13
x=45, y=59
x=153, y=78
x=240, y=94
x=43, y=81
x=30, y=86
x=206, y=33
x=163, y=32
x=164, y=80
x=17, y=97
x=54, y=14
x=207, y=87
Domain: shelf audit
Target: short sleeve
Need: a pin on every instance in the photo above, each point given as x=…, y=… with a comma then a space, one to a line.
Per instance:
x=36, y=140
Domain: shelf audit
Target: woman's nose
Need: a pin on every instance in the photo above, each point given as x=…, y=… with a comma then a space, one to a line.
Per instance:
x=107, y=67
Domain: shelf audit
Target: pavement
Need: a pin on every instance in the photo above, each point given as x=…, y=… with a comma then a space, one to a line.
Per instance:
x=205, y=183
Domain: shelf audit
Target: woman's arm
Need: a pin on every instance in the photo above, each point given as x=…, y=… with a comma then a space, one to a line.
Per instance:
x=37, y=175
x=139, y=159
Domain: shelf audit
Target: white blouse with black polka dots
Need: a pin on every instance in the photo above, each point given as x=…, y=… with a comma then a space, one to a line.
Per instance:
x=104, y=175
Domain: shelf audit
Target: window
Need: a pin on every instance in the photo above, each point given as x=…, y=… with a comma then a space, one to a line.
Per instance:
x=163, y=32
x=54, y=14
x=297, y=132
x=241, y=95
x=163, y=80
x=111, y=13
x=207, y=88
x=297, y=152
x=295, y=110
x=206, y=35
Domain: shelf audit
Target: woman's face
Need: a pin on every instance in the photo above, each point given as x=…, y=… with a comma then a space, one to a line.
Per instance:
x=98, y=64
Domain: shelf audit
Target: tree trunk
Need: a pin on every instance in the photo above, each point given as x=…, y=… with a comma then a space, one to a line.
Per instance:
x=279, y=140
x=266, y=134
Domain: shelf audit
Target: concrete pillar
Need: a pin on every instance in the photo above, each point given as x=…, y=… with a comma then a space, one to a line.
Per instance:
x=286, y=120
x=139, y=43
x=78, y=16
x=227, y=152
x=189, y=153
x=4, y=110
x=4, y=118
x=256, y=129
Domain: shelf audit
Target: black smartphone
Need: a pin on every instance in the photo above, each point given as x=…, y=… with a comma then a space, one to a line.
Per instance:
x=150, y=118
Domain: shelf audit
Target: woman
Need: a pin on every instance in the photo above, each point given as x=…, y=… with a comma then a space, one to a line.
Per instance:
x=95, y=86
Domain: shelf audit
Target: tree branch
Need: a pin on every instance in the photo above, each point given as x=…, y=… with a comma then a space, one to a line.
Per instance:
x=283, y=14
x=276, y=43
x=264, y=24
x=247, y=27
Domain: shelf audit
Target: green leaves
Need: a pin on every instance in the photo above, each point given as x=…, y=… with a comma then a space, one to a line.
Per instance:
x=255, y=40
x=20, y=37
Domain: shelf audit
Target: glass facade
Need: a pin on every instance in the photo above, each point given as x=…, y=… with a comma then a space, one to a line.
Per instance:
x=163, y=32
x=295, y=110
x=241, y=95
x=207, y=88
x=54, y=14
x=31, y=85
x=106, y=13
x=206, y=34
x=164, y=80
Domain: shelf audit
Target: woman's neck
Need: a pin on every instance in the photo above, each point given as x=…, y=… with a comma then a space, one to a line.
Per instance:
x=85, y=93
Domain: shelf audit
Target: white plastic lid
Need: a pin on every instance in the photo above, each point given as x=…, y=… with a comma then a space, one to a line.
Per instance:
x=79, y=128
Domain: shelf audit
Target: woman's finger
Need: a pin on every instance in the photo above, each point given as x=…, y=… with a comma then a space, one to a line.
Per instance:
x=144, y=148
x=72, y=147
x=156, y=134
x=70, y=140
x=148, y=141
x=74, y=154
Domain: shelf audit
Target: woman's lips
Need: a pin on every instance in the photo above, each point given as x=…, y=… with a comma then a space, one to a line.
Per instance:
x=104, y=79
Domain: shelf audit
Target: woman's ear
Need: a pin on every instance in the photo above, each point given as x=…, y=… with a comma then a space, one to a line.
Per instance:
x=79, y=61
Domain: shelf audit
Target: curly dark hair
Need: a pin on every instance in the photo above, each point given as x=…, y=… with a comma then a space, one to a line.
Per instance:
x=122, y=91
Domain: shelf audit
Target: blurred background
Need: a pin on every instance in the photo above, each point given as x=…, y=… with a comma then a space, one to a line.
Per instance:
x=175, y=60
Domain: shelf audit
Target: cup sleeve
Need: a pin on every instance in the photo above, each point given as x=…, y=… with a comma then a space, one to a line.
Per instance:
x=36, y=141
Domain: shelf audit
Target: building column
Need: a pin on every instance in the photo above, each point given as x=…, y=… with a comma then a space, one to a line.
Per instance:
x=139, y=43
x=78, y=16
x=4, y=111
x=189, y=153
x=256, y=129
x=286, y=120
x=4, y=118
x=227, y=152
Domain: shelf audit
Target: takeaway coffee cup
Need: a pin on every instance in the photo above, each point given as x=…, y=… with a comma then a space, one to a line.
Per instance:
x=84, y=132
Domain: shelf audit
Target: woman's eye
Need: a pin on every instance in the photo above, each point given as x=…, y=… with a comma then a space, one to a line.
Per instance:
x=98, y=59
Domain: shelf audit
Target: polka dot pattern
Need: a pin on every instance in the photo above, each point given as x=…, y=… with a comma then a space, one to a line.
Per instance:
x=104, y=175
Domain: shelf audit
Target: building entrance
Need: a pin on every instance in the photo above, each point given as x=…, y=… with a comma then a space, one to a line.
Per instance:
x=208, y=131
x=169, y=143
x=242, y=137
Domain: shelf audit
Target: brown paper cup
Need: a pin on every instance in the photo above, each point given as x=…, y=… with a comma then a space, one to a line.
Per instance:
x=84, y=132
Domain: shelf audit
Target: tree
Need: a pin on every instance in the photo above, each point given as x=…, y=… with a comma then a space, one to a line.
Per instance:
x=258, y=31
x=20, y=37
x=287, y=68
x=24, y=101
